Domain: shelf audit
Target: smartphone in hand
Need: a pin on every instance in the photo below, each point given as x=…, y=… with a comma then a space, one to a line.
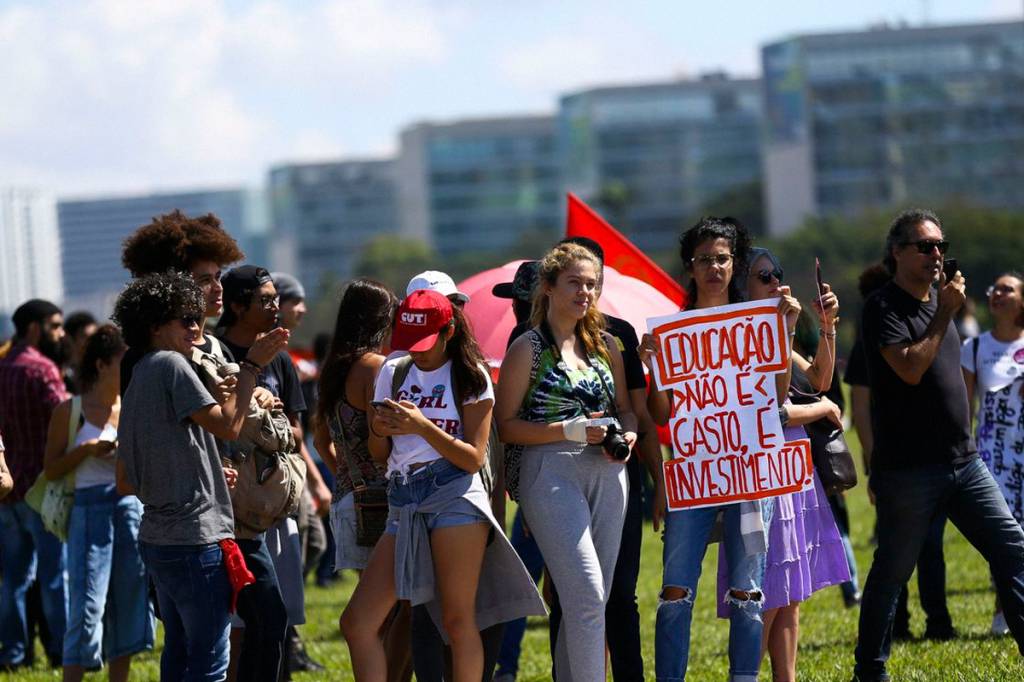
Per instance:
x=379, y=405
x=949, y=268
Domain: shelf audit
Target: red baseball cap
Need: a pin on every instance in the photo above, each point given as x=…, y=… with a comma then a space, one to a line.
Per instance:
x=421, y=317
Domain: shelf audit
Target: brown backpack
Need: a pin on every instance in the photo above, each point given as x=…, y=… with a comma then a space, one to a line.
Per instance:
x=271, y=472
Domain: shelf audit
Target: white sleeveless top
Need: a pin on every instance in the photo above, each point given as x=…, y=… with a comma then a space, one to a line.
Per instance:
x=94, y=471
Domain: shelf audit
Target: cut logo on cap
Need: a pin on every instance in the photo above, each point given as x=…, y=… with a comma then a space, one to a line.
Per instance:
x=414, y=319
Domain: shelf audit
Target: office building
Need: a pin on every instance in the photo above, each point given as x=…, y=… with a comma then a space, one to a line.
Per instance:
x=480, y=185
x=893, y=117
x=29, y=248
x=324, y=214
x=93, y=231
x=652, y=157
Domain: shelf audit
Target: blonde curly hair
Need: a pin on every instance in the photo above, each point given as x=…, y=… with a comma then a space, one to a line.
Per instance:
x=590, y=328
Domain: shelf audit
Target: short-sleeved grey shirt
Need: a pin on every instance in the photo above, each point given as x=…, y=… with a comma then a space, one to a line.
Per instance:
x=172, y=462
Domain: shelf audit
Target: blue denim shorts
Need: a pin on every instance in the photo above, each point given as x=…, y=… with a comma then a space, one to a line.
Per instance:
x=419, y=485
x=109, y=614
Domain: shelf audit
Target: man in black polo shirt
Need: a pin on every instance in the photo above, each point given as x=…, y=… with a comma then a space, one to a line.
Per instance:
x=924, y=462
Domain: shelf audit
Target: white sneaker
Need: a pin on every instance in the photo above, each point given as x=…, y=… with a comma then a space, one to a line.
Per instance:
x=999, y=626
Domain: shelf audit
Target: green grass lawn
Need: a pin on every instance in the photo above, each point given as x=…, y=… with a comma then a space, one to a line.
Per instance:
x=828, y=630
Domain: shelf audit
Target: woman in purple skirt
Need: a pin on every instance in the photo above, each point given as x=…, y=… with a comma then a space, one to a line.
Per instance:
x=805, y=552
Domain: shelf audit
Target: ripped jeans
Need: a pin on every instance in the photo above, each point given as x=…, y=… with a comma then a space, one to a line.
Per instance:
x=686, y=538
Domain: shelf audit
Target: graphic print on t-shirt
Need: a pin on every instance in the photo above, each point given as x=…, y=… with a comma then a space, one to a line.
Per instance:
x=435, y=399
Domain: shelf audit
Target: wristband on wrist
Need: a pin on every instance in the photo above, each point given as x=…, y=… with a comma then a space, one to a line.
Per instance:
x=784, y=416
x=831, y=334
x=251, y=366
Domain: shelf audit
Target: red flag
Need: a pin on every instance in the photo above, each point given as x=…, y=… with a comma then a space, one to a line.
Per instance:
x=619, y=252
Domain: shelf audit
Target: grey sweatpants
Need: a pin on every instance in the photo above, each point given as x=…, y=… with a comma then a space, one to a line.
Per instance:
x=574, y=502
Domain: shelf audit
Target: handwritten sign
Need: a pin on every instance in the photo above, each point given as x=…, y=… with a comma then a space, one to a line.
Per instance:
x=727, y=440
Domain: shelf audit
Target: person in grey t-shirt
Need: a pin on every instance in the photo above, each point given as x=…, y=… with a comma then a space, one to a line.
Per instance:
x=167, y=455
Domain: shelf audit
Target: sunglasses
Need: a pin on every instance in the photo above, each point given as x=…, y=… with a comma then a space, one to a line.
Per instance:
x=765, y=276
x=925, y=246
x=188, y=321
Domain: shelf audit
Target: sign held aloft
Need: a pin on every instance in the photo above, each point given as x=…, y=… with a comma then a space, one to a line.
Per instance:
x=727, y=439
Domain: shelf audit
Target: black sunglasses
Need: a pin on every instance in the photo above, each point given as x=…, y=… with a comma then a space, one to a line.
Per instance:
x=188, y=320
x=765, y=276
x=925, y=246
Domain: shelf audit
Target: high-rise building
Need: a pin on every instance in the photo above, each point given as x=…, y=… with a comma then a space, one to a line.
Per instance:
x=893, y=116
x=480, y=185
x=325, y=213
x=29, y=248
x=93, y=231
x=653, y=156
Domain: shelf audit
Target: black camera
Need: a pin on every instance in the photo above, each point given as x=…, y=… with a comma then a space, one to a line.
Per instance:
x=614, y=443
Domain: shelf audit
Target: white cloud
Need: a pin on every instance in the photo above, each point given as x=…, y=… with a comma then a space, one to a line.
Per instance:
x=185, y=92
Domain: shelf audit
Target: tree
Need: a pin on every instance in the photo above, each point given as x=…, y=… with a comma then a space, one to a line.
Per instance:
x=393, y=260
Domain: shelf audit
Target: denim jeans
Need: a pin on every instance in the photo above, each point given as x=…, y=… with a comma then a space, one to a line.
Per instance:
x=511, y=645
x=908, y=502
x=109, y=615
x=931, y=584
x=195, y=596
x=29, y=553
x=686, y=538
x=261, y=607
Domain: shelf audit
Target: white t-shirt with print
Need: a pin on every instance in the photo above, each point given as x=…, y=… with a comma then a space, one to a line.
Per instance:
x=999, y=363
x=432, y=393
x=999, y=377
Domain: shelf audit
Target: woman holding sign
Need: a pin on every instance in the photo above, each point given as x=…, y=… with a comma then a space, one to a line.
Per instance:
x=557, y=392
x=805, y=552
x=714, y=254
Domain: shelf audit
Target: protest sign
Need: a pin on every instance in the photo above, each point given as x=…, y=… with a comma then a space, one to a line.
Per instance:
x=727, y=440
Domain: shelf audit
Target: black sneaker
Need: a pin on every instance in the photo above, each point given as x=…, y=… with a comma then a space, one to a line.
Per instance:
x=902, y=634
x=851, y=600
x=299, y=661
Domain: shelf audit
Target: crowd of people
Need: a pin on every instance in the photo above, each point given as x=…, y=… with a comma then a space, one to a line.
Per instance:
x=181, y=464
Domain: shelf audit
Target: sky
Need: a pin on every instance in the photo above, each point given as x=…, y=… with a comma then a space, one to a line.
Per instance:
x=101, y=97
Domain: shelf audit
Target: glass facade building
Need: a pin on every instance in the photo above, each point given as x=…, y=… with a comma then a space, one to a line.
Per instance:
x=480, y=185
x=660, y=152
x=92, y=232
x=325, y=213
x=893, y=116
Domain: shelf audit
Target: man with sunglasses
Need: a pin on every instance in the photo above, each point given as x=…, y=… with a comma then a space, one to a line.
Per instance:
x=924, y=462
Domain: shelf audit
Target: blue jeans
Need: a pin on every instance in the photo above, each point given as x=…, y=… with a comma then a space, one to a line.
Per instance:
x=907, y=502
x=526, y=547
x=194, y=594
x=686, y=538
x=109, y=615
x=29, y=554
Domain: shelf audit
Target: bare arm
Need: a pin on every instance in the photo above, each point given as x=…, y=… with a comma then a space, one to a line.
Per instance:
x=860, y=413
x=659, y=403
x=58, y=461
x=623, y=404
x=324, y=445
x=911, y=360
x=805, y=414
x=407, y=419
x=510, y=392
x=225, y=421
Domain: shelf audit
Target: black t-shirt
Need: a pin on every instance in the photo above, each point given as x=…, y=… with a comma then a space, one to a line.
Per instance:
x=914, y=425
x=133, y=355
x=625, y=334
x=279, y=377
x=857, y=365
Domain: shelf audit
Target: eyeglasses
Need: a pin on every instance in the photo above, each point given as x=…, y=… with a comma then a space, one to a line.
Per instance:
x=925, y=246
x=1002, y=289
x=706, y=260
x=268, y=301
x=189, y=321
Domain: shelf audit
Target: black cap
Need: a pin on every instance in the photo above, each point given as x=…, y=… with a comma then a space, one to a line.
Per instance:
x=521, y=286
x=239, y=283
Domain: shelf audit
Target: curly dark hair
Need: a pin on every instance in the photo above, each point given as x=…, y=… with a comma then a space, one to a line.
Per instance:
x=153, y=300
x=174, y=242
x=104, y=345
x=365, y=314
x=900, y=228
x=710, y=228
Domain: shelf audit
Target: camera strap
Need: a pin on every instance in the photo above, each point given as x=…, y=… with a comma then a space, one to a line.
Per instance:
x=560, y=364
